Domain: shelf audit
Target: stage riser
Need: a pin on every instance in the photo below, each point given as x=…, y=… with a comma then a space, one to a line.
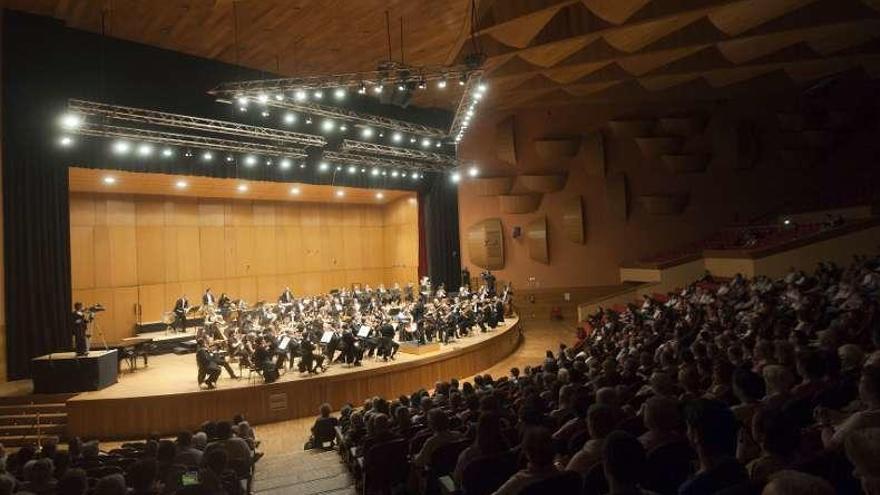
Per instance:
x=137, y=417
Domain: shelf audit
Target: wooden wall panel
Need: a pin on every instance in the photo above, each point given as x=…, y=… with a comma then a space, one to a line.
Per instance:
x=486, y=244
x=153, y=249
x=573, y=219
x=536, y=237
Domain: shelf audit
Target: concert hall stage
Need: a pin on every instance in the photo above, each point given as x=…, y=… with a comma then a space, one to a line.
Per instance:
x=165, y=399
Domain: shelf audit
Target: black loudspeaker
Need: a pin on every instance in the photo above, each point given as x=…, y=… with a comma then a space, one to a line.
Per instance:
x=517, y=232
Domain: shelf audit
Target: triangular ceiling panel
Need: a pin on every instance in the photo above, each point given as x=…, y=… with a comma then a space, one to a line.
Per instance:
x=842, y=36
x=513, y=67
x=588, y=89
x=739, y=17
x=810, y=71
x=696, y=33
x=791, y=54
x=660, y=83
x=552, y=53
x=610, y=72
x=725, y=77
x=573, y=20
x=744, y=50
x=536, y=82
x=508, y=83
x=616, y=11
x=639, y=65
x=595, y=51
x=570, y=73
x=519, y=32
x=706, y=59
x=621, y=91
x=633, y=38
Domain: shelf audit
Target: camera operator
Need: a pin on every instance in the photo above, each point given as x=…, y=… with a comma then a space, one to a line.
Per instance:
x=80, y=319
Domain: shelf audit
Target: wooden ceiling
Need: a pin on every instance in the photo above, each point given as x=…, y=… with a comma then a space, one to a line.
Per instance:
x=92, y=180
x=541, y=52
x=559, y=51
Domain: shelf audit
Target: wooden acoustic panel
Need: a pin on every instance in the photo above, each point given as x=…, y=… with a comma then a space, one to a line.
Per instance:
x=631, y=128
x=505, y=140
x=557, y=148
x=573, y=219
x=654, y=147
x=536, y=240
x=491, y=186
x=518, y=203
x=685, y=164
x=682, y=126
x=593, y=145
x=617, y=196
x=485, y=242
x=664, y=204
x=543, y=183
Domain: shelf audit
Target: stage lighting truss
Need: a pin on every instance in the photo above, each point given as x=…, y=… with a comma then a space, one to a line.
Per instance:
x=109, y=113
x=440, y=161
x=187, y=140
x=338, y=158
x=281, y=93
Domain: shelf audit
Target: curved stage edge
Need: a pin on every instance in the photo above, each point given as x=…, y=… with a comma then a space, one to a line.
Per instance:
x=168, y=414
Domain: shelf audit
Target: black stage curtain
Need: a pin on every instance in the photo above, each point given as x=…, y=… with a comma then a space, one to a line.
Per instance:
x=440, y=198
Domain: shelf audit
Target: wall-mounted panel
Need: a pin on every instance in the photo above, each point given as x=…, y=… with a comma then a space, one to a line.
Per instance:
x=631, y=128
x=617, y=196
x=543, y=183
x=518, y=203
x=594, y=154
x=573, y=219
x=562, y=148
x=485, y=241
x=491, y=186
x=536, y=240
x=505, y=140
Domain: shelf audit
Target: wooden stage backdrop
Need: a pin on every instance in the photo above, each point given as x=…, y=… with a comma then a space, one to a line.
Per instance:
x=137, y=417
x=136, y=254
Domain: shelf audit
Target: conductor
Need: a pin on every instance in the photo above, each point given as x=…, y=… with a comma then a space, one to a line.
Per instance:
x=79, y=327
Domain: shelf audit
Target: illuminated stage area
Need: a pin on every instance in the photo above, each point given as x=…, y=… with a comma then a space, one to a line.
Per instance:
x=164, y=398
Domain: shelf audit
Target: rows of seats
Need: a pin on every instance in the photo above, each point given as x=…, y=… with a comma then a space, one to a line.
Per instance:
x=741, y=386
x=217, y=459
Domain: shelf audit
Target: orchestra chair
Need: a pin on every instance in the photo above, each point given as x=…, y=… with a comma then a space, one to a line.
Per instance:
x=384, y=467
x=564, y=482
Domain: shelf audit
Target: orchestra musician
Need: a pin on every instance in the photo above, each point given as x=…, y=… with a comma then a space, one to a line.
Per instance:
x=208, y=298
x=80, y=326
x=387, y=346
x=209, y=371
x=181, y=306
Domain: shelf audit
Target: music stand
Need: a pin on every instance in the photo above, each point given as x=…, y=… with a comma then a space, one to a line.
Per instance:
x=327, y=337
x=364, y=331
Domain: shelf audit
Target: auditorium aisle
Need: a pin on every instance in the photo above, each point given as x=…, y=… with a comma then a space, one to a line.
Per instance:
x=304, y=473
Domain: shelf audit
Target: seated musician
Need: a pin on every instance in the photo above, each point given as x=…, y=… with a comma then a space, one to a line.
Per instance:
x=209, y=371
x=352, y=352
x=309, y=362
x=387, y=346
x=264, y=360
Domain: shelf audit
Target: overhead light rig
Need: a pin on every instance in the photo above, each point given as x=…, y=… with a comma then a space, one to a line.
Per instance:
x=336, y=157
x=155, y=117
x=361, y=147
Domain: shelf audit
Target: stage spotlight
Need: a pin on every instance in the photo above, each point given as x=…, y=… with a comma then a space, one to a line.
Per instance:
x=343, y=128
x=242, y=109
x=181, y=184
x=242, y=101
x=308, y=120
x=289, y=118
x=145, y=150
x=363, y=170
x=412, y=140
x=302, y=165
x=339, y=93
x=375, y=171
x=188, y=154
x=426, y=142
x=66, y=141
x=264, y=113
x=469, y=113
x=462, y=80
x=438, y=144
x=473, y=171
x=340, y=193
x=207, y=156
x=268, y=162
x=242, y=188
x=403, y=174
x=478, y=96
x=109, y=180
x=367, y=132
x=352, y=169
x=294, y=190
x=167, y=152
x=263, y=98
x=397, y=137
x=338, y=168
x=384, y=173
x=319, y=94
x=422, y=83
x=121, y=147
x=362, y=89
x=442, y=83
x=394, y=174
x=300, y=95
x=71, y=121
x=379, y=195
x=328, y=125
x=401, y=86
x=250, y=160
x=482, y=87
x=230, y=158
x=377, y=89
x=285, y=163
x=414, y=175
x=279, y=96
x=324, y=166
x=455, y=177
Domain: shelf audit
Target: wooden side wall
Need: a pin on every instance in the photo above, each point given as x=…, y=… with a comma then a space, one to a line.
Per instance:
x=137, y=254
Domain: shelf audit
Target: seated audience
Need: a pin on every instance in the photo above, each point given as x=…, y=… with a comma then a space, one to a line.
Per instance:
x=538, y=449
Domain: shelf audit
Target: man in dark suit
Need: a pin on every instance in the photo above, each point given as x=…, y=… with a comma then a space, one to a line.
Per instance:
x=209, y=371
x=181, y=306
x=207, y=297
x=79, y=327
x=388, y=347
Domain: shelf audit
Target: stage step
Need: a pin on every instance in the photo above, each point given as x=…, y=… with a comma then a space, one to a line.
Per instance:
x=47, y=408
x=310, y=472
x=31, y=419
x=23, y=440
x=18, y=400
x=19, y=430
